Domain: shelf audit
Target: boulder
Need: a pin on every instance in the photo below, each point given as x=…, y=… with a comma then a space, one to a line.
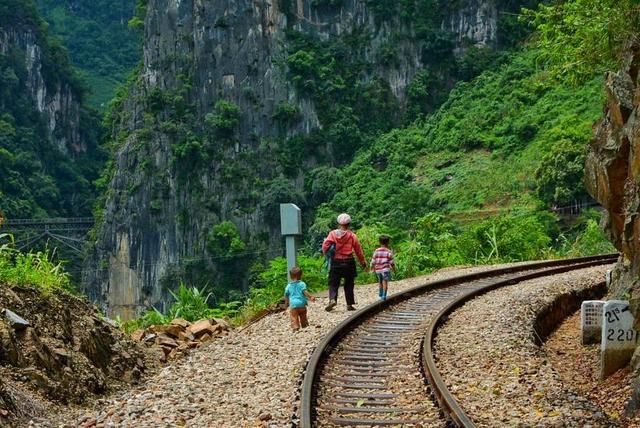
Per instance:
x=138, y=335
x=174, y=330
x=181, y=322
x=186, y=336
x=16, y=321
x=166, y=341
x=9, y=350
x=200, y=328
x=222, y=323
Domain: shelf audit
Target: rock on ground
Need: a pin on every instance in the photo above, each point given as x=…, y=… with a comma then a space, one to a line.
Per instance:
x=56, y=351
x=247, y=379
x=488, y=356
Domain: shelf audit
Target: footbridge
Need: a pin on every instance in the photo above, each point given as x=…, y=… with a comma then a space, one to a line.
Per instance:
x=69, y=232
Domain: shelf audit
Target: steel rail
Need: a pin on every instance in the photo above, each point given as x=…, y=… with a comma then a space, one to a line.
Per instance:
x=325, y=347
x=445, y=398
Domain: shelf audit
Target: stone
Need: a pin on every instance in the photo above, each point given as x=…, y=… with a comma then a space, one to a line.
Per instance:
x=16, y=321
x=150, y=338
x=62, y=355
x=200, y=328
x=591, y=321
x=186, y=336
x=181, y=322
x=138, y=335
x=265, y=416
x=222, y=323
x=174, y=330
x=166, y=341
x=618, y=339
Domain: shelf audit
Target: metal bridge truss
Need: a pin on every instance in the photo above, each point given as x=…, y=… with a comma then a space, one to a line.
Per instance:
x=70, y=232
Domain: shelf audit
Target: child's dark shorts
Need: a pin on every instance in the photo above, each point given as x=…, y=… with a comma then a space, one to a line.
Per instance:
x=384, y=276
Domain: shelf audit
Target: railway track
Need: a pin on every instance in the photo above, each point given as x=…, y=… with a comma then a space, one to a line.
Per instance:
x=377, y=368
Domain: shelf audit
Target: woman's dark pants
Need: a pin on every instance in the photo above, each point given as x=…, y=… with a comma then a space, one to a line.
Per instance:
x=342, y=269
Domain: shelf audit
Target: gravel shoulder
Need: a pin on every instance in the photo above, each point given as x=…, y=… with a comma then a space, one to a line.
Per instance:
x=248, y=379
x=577, y=366
x=487, y=355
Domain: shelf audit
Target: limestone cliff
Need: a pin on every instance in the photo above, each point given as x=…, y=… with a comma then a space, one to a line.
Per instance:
x=48, y=140
x=58, y=105
x=235, y=106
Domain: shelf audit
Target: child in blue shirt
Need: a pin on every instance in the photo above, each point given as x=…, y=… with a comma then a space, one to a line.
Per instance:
x=295, y=296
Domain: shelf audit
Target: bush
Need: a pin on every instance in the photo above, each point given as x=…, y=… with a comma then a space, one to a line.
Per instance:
x=190, y=303
x=270, y=283
x=224, y=241
x=591, y=242
x=225, y=119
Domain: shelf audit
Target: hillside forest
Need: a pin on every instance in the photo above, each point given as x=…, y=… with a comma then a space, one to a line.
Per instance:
x=480, y=161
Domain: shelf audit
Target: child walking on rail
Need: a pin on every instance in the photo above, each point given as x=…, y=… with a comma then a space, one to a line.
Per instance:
x=296, y=296
x=381, y=263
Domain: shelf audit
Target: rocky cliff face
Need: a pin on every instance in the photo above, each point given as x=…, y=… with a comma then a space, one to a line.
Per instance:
x=613, y=174
x=58, y=105
x=236, y=102
x=49, y=153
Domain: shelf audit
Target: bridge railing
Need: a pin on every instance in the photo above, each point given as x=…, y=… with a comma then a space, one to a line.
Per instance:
x=45, y=221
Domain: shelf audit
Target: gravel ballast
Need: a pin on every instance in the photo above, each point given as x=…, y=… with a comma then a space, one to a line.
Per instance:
x=248, y=379
x=488, y=356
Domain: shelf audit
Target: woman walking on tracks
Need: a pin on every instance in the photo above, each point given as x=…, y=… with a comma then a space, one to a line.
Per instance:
x=341, y=244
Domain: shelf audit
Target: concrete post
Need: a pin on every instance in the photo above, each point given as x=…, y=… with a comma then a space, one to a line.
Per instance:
x=618, y=337
x=291, y=228
x=591, y=321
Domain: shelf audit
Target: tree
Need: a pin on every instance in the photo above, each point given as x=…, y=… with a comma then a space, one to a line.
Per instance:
x=579, y=38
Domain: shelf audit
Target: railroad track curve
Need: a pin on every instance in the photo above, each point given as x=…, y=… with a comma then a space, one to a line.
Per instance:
x=376, y=368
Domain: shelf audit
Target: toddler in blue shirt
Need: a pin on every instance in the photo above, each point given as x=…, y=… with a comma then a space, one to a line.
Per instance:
x=295, y=296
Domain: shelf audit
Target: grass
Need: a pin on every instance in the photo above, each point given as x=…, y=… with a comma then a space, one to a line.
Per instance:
x=34, y=269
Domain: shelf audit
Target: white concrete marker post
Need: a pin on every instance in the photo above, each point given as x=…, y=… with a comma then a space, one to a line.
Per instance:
x=608, y=276
x=618, y=337
x=291, y=227
x=591, y=321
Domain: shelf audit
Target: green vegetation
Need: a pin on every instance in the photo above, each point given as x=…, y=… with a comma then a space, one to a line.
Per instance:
x=33, y=270
x=579, y=38
x=38, y=179
x=190, y=303
x=100, y=44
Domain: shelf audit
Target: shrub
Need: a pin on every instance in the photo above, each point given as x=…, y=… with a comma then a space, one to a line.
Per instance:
x=225, y=119
x=591, y=242
x=269, y=284
x=224, y=241
x=190, y=303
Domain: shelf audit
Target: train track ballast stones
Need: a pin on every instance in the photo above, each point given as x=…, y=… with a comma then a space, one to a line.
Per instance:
x=369, y=370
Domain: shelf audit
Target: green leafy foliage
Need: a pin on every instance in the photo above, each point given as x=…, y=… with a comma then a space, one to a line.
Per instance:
x=224, y=241
x=225, y=119
x=269, y=283
x=190, y=303
x=37, y=177
x=34, y=269
x=98, y=38
x=578, y=38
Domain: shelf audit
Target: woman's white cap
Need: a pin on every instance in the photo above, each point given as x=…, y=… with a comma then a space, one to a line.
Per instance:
x=344, y=219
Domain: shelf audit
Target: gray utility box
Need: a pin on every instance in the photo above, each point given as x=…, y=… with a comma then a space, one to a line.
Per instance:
x=290, y=219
